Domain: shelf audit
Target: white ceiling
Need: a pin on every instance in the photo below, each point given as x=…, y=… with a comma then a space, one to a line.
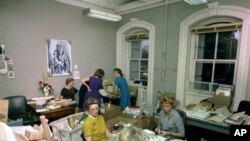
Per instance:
x=118, y=6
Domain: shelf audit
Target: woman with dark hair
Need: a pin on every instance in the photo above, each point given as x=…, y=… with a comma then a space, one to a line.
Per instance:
x=121, y=83
x=68, y=92
x=95, y=83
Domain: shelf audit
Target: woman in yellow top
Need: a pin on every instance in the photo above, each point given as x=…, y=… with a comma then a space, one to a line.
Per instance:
x=94, y=127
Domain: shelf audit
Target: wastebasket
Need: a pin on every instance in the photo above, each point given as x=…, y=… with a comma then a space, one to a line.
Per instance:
x=68, y=128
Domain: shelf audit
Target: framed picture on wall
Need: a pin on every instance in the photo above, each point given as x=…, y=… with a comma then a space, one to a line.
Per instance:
x=59, y=62
x=11, y=74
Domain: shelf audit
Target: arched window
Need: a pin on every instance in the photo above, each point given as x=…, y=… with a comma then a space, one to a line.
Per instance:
x=212, y=51
x=135, y=55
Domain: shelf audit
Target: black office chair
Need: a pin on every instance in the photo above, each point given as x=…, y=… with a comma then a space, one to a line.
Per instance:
x=19, y=109
x=82, y=92
x=183, y=116
x=244, y=106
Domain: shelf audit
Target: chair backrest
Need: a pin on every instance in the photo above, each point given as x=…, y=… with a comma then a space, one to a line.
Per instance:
x=4, y=110
x=244, y=106
x=183, y=115
x=133, y=90
x=46, y=128
x=17, y=106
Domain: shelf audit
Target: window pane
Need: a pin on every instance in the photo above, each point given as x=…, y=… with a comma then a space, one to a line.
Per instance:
x=227, y=45
x=144, y=46
x=203, y=72
x=144, y=70
x=206, y=46
x=134, y=70
x=135, y=49
x=202, y=87
x=224, y=73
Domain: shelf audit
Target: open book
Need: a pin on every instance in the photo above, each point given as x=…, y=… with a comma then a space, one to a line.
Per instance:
x=236, y=118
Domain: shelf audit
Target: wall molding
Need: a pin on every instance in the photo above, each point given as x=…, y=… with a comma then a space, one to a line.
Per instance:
x=121, y=55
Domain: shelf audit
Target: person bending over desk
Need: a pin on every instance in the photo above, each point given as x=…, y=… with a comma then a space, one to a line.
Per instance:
x=120, y=82
x=94, y=85
x=170, y=122
x=94, y=127
x=68, y=92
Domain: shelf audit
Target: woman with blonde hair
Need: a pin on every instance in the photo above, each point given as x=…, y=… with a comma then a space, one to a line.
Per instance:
x=170, y=122
x=132, y=134
x=94, y=127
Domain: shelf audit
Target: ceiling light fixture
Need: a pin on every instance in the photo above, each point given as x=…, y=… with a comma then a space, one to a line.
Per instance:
x=102, y=15
x=196, y=2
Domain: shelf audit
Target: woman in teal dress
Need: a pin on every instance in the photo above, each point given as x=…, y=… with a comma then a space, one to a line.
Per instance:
x=122, y=84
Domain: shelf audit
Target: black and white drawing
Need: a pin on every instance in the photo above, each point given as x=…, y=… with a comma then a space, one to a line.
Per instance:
x=59, y=57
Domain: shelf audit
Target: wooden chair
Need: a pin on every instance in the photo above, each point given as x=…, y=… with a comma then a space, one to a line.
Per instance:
x=46, y=128
x=4, y=110
x=133, y=92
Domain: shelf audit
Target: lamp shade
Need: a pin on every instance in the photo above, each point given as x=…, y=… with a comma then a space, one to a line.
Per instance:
x=102, y=15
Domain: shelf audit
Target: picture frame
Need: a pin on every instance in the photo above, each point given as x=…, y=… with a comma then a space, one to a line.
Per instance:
x=11, y=74
x=2, y=57
x=59, y=62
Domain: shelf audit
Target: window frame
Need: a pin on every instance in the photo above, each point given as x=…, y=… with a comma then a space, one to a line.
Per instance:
x=218, y=13
x=194, y=59
x=136, y=59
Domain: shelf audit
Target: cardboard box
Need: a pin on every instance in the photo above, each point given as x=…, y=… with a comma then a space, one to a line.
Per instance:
x=220, y=100
x=110, y=112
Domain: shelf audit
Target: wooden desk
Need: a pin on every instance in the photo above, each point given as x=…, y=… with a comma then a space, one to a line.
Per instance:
x=60, y=112
x=209, y=125
x=197, y=129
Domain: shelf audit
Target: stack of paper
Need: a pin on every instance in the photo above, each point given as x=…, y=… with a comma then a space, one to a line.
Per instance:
x=236, y=118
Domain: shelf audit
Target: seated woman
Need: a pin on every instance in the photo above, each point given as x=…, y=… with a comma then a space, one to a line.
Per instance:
x=170, y=122
x=94, y=127
x=68, y=92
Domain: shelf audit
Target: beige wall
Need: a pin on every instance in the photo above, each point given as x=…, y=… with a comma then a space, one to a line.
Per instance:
x=26, y=24
x=176, y=13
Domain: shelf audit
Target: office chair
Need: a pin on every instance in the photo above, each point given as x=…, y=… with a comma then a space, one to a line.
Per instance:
x=244, y=106
x=82, y=92
x=19, y=109
x=183, y=116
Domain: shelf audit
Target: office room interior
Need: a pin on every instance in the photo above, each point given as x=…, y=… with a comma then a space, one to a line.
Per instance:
x=190, y=49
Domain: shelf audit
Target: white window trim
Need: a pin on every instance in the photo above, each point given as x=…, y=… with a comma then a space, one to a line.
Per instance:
x=243, y=65
x=122, y=56
x=135, y=59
